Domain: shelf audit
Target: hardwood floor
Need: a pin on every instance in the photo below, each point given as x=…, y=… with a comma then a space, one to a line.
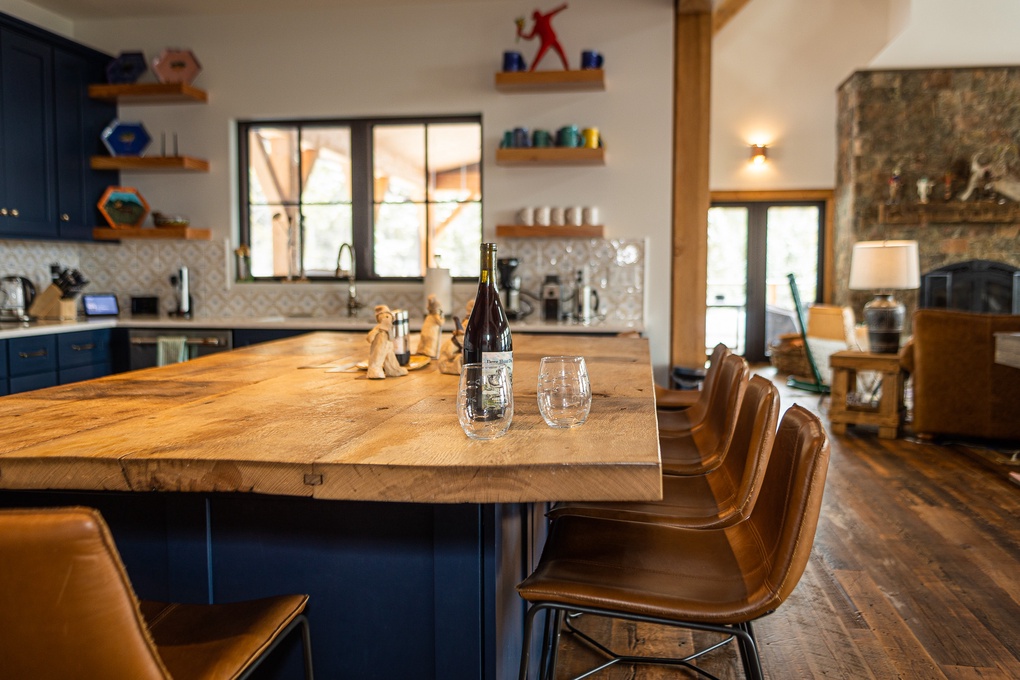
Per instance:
x=915, y=573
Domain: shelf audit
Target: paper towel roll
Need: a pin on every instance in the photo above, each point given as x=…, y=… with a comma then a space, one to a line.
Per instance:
x=438, y=283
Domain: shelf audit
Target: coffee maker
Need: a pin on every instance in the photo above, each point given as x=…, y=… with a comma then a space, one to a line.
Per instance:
x=510, y=287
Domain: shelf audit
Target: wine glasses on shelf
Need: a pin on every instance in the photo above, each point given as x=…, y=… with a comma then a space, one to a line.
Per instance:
x=485, y=401
x=564, y=393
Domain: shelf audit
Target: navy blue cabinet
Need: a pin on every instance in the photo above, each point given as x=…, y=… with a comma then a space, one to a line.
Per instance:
x=49, y=128
x=253, y=336
x=3, y=368
x=32, y=362
x=79, y=125
x=83, y=355
x=27, y=200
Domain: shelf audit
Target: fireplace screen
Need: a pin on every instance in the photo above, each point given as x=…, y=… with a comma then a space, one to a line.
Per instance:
x=973, y=286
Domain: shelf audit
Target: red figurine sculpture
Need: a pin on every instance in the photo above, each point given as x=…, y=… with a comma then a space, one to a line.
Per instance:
x=544, y=31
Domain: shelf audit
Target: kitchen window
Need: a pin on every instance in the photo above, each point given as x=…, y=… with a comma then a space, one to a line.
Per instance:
x=400, y=191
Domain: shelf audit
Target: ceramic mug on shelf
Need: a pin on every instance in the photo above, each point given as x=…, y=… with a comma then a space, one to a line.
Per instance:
x=591, y=59
x=591, y=138
x=575, y=216
x=513, y=61
x=521, y=138
x=556, y=217
x=526, y=216
x=541, y=139
x=542, y=216
x=591, y=216
x=568, y=136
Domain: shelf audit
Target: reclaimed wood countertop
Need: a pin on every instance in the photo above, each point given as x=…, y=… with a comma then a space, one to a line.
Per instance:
x=271, y=419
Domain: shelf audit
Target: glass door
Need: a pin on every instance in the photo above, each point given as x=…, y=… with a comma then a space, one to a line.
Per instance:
x=752, y=247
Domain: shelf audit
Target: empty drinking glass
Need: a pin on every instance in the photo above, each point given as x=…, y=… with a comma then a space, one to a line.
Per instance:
x=485, y=401
x=564, y=393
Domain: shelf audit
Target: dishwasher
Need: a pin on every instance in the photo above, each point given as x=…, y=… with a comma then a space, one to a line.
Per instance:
x=142, y=343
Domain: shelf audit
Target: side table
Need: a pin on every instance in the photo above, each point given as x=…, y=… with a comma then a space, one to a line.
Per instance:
x=845, y=410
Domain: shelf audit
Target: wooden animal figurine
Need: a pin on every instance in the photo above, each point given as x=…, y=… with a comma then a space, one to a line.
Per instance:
x=451, y=355
x=382, y=362
x=431, y=330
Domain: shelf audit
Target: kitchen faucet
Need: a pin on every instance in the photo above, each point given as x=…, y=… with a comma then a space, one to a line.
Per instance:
x=353, y=305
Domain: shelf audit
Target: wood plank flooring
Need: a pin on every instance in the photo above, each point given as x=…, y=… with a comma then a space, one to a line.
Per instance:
x=915, y=573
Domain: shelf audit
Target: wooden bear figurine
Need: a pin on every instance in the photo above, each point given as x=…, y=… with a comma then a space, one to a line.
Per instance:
x=431, y=330
x=451, y=355
x=382, y=361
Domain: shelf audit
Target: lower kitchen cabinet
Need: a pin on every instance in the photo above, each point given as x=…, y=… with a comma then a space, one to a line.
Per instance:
x=3, y=368
x=253, y=336
x=32, y=362
x=39, y=361
x=83, y=355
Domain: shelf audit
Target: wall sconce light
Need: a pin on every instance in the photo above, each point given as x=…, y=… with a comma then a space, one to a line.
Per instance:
x=759, y=154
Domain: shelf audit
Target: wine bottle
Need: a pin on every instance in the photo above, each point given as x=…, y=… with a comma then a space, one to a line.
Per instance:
x=487, y=337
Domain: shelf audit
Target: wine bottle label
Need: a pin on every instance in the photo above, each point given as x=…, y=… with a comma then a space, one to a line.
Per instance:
x=491, y=361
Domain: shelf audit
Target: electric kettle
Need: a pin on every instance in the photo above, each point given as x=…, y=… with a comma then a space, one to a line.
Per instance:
x=16, y=296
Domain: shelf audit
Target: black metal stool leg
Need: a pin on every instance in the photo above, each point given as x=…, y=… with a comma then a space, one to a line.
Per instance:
x=749, y=652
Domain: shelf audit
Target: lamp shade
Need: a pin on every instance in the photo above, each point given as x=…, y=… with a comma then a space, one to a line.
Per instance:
x=885, y=265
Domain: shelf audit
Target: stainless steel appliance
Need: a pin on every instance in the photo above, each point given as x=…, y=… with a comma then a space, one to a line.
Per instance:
x=552, y=293
x=16, y=296
x=143, y=343
x=586, y=299
x=510, y=289
x=181, y=281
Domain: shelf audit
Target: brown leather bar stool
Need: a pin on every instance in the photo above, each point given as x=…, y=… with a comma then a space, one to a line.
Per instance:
x=717, y=580
x=67, y=610
x=675, y=400
x=698, y=449
x=718, y=498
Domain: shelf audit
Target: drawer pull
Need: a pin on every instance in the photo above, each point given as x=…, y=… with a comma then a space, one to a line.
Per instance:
x=207, y=342
x=14, y=212
x=84, y=348
x=32, y=355
x=3, y=211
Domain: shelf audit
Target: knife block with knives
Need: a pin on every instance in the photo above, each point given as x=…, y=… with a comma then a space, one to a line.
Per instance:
x=60, y=299
x=50, y=304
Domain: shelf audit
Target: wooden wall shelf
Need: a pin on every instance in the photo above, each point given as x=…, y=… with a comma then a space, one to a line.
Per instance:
x=551, y=156
x=150, y=164
x=149, y=93
x=186, y=233
x=550, y=81
x=521, y=231
x=953, y=212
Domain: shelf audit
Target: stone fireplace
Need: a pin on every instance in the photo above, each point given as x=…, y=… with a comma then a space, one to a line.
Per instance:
x=901, y=126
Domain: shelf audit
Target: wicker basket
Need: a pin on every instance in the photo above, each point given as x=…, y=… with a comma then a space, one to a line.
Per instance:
x=788, y=355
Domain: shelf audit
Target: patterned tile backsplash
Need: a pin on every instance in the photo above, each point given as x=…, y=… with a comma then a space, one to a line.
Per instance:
x=143, y=267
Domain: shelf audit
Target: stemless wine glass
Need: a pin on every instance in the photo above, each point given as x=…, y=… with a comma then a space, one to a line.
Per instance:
x=564, y=393
x=485, y=401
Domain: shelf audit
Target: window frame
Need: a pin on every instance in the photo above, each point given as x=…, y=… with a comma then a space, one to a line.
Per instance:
x=362, y=186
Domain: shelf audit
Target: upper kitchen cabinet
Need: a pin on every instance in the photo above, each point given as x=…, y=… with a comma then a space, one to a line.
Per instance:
x=79, y=124
x=28, y=205
x=49, y=128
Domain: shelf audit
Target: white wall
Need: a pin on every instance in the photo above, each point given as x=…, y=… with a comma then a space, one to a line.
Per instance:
x=954, y=33
x=366, y=59
x=38, y=16
x=775, y=70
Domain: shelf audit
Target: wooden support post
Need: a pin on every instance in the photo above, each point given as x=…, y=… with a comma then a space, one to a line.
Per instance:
x=693, y=72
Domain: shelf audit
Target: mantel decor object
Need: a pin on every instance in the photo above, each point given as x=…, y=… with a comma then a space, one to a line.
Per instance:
x=884, y=267
x=123, y=207
x=126, y=68
x=175, y=65
x=125, y=139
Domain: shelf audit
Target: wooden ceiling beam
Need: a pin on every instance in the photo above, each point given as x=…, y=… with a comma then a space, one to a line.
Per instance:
x=726, y=10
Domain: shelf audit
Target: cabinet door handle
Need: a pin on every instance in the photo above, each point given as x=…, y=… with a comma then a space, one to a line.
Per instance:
x=14, y=212
x=65, y=218
x=84, y=348
x=3, y=211
x=32, y=355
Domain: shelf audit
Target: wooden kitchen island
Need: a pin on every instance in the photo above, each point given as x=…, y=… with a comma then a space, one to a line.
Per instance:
x=281, y=468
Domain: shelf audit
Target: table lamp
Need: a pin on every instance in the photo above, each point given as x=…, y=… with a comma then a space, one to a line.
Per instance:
x=884, y=266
